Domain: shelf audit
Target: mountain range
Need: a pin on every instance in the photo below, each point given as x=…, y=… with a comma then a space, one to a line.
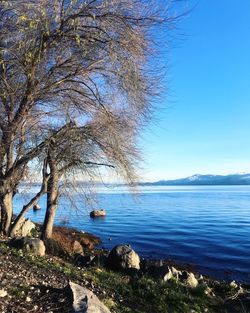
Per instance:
x=232, y=179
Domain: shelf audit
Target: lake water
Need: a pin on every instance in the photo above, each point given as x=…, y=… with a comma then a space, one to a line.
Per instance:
x=207, y=226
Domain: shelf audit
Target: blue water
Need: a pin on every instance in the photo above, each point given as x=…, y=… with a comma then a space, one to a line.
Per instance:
x=208, y=227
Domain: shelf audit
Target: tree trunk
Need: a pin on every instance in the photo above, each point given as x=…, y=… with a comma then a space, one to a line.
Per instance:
x=33, y=201
x=6, y=211
x=52, y=200
x=27, y=207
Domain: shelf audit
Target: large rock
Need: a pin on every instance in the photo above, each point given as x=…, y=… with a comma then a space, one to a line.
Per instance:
x=33, y=245
x=123, y=257
x=36, y=207
x=192, y=281
x=189, y=279
x=24, y=229
x=84, y=301
x=97, y=213
x=77, y=247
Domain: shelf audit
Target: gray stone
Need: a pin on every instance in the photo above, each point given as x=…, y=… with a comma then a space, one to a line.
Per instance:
x=33, y=245
x=192, y=281
x=36, y=207
x=25, y=228
x=175, y=272
x=233, y=284
x=97, y=213
x=123, y=257
x=77, y=247
x=189, y=279
x=168, y=275
x=209, y=292
x=84, y=300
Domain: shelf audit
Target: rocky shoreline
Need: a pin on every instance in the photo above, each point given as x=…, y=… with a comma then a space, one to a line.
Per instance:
x=120, y=280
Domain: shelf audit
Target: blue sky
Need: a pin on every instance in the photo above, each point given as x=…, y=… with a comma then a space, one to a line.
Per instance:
x=203, y=125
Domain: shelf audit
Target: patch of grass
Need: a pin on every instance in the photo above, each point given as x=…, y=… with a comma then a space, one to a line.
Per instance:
x=18, y=292
x=124, y=293
x=146, y=295
x=3, y=247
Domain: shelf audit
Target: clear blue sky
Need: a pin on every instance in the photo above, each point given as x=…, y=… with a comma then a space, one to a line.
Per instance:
x=204, y=124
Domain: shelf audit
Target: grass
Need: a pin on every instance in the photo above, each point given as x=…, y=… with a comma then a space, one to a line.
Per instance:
x=18, y=292
x=124, y=293
x=132, y=294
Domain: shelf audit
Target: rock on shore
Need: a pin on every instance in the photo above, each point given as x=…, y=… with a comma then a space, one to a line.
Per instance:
x=123, y=257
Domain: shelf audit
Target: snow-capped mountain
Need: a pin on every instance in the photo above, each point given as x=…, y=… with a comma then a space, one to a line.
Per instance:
x=232, y=179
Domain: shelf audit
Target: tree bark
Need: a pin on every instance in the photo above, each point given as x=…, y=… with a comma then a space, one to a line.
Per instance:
x=27, y=207
x=6, y=211
x=52, y=199
x=33, y=201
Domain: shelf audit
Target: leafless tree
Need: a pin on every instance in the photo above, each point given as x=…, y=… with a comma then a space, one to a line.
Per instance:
x=66, y=63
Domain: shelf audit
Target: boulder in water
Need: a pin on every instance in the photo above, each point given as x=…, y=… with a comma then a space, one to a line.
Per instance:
x=97, y=213
x=36, y=207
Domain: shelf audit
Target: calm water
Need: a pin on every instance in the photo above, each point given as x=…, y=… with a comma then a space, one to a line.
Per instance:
x=208, y=227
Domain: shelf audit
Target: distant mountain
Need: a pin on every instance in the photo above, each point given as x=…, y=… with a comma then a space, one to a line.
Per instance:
x=234, y=179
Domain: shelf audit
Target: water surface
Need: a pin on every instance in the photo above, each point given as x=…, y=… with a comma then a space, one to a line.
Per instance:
x=207, y=226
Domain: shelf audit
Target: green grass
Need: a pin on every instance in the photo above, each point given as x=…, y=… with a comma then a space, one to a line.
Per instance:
x=124, y=293
x=18, y=292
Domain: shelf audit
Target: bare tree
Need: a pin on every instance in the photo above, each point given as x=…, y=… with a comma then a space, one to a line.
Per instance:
x=106, y=141
x=64, y=61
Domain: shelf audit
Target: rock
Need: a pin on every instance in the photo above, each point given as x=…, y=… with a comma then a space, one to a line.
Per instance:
x=209, y=292
x=98, y=213
x=36, y=207
x=162, y=272
x=233, y=284
x=3, y=293
x=77, y=247
x=25, y=228
x=200, y=278
x=84, y=300
x=168, y=275
x=64, y=238
x=175, y=272
x=192, y=281
x=84, y=260
x=189, y=279
x=33, y=245
x=123, y=257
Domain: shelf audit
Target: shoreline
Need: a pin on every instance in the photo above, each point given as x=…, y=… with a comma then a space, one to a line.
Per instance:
x=96, y=244
x=150, y=289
